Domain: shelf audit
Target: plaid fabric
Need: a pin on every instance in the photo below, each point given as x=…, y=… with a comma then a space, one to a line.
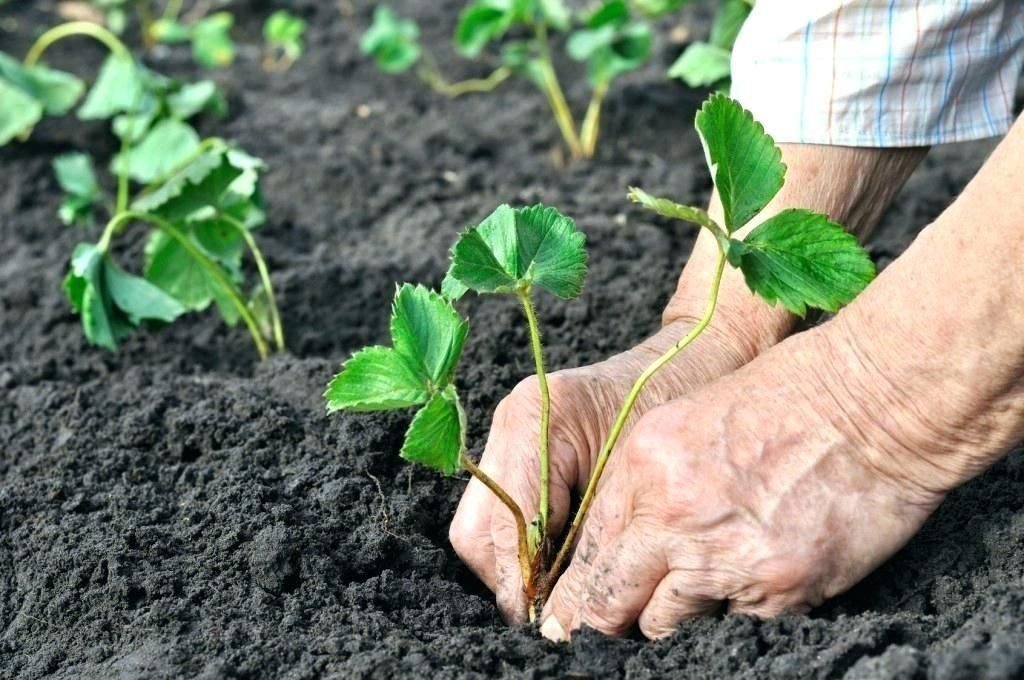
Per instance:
x=880, y=72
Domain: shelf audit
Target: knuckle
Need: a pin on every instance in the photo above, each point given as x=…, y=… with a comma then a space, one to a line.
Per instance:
x=605, y=617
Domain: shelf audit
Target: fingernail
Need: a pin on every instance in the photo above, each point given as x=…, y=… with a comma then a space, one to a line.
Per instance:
x=552, y=630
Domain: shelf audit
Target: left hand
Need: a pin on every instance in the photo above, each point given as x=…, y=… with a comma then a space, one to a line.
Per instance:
x=758, y=493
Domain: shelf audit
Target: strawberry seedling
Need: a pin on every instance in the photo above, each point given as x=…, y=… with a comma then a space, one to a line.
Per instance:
x=611, y=40
x=200, y=197
x=796, y=258
x=282, y=34
x=708, y=63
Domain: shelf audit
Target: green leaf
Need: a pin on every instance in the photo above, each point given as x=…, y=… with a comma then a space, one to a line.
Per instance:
x=657, y=8
x=428, y=332
x=139, y=299
x=611, y=44
x=512, y=249
x=212, y=45
x=375, y=379
x=85, y=289
x=802, y=259
x=284, y=31
x=76, y=175
x=556, y=14
x=436, y=435
x=77, y=178
x=701, y=65
x=744, y=161
x=521, y=56
x=198, y=184
x=118, y=88
x=55, y=91
x=480, y=23
x=163, y=149
x=19, y=112
x=170, y=267
x=194, y=98
x=169, y=31
x=392, y=42
x=110, y=301
x=727, y=23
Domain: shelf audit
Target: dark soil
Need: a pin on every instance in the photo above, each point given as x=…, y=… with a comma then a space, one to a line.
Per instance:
x=179, y=509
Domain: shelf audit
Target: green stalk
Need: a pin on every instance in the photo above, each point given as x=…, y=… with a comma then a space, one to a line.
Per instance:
x=115, y=225
x=591, y=128
x=73, y=28
x=627, y=407
x=545, y=411
x=261, y=266
x=556, y=97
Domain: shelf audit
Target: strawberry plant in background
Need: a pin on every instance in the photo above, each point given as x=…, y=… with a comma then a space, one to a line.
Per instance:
x=283, y=36
x=199, y=197
x=611, y=39
x=796, y=258
x=708, y=63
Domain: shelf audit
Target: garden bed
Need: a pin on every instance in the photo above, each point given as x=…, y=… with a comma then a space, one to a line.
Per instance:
x=180, y=509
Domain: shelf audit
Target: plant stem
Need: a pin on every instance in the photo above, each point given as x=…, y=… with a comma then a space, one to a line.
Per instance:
x=553, y=90
x=431, y=75
x=591, y=129
x=517, y=515
x=211, y=267
x=545, y=410
x=73, y=28
x=261, y=266
x=627, y=407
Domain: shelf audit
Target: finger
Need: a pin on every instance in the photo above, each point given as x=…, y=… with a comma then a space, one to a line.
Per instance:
x=470, y=532
x=606, y=521
x=622, y=581
x=676, y=599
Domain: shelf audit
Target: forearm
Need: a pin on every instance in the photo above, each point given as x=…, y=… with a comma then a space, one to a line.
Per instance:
x=940, y=334
x=851, y=185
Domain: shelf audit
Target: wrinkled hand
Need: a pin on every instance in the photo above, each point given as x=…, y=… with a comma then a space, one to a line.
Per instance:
x=584, y=402
x=758, y=493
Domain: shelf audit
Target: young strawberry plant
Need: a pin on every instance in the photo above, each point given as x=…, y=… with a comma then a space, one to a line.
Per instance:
x=708, y=63
x=796, y=258
x=200, y=198
x=611, y=40
x=282, y=33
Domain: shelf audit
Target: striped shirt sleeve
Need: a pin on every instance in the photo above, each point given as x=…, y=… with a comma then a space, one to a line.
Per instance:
x=880, y=73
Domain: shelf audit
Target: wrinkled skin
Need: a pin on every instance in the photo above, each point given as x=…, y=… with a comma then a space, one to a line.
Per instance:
x=754, y=494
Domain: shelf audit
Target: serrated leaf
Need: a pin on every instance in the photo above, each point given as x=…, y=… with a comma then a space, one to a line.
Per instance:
x=435, y=437
x=19, y=112
x=480, y=23
x=744, y=160
x=393, y=42
x=801, y=259
x=198, y=185
x=375, y=379
x=428, y=332
x=166, y=146
x=118, y=88
x=55, y=91
x=701, y=65
x=511, y=249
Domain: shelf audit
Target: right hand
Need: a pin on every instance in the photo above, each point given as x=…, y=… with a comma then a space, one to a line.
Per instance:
x=584, y=403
